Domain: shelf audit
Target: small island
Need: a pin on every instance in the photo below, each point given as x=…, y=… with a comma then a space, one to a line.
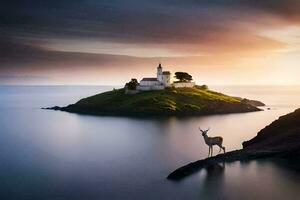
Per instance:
x=159, y=96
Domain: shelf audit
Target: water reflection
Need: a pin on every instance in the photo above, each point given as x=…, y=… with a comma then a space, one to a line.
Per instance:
x=213, y=182
x=67, y=156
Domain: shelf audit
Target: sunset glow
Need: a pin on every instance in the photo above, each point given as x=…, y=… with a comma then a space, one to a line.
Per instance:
x=109, y=42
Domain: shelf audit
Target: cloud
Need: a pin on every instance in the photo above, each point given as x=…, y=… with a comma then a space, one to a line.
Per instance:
x=23, y=79
x=141, y=21
x=39, y=36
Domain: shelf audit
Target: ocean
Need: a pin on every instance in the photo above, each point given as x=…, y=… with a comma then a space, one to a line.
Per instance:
x=53, y=155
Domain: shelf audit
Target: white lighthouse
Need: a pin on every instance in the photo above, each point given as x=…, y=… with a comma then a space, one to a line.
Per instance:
x=162, y=81
x=164, y=77
x=159, y=73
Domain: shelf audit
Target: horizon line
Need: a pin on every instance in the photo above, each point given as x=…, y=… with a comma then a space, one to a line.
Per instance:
x=109, y=85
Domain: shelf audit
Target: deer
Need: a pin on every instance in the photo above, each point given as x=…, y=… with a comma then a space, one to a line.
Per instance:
x=211, y=141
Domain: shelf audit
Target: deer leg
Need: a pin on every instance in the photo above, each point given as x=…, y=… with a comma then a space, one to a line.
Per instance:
x=208, y=151
x=212, y=149
x=223, y=149
x=220, y=148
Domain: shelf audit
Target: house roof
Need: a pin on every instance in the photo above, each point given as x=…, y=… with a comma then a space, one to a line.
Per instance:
x=166, y=73
x=149, y=79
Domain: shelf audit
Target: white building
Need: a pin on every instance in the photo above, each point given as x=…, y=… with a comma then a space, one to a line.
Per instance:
x=183, y=84
x=162, y=81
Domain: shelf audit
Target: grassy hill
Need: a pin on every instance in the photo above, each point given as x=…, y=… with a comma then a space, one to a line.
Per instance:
x=179, y=101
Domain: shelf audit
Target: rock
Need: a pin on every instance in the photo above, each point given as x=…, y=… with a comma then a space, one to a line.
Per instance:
x=283, y=134
x=281, y=139
x=241, y=155
x=53, y=108
x=253, y=102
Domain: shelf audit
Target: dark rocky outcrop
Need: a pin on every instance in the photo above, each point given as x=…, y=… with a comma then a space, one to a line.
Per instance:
x=280, y=139
x=253, y=102
x=238, y=155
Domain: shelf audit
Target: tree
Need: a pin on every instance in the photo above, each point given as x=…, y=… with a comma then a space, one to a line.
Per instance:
x=183, y=77
x=132, y=84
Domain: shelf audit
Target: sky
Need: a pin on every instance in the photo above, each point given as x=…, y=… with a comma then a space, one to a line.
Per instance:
x=108, y=42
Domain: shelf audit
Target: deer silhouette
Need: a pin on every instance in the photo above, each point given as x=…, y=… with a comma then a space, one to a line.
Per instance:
x=211, y=141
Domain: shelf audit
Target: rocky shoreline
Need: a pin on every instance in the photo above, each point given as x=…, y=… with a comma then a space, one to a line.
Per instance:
x=280, y=139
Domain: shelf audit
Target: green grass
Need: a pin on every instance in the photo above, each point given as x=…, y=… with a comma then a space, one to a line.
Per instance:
x=170, y=101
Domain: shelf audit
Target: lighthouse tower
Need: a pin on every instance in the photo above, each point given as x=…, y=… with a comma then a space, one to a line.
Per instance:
x=159, y=73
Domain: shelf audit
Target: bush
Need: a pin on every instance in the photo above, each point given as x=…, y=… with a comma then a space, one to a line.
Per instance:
x=132, y=84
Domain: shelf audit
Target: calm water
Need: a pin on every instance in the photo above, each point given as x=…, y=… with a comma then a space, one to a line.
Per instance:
x=57, y=155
